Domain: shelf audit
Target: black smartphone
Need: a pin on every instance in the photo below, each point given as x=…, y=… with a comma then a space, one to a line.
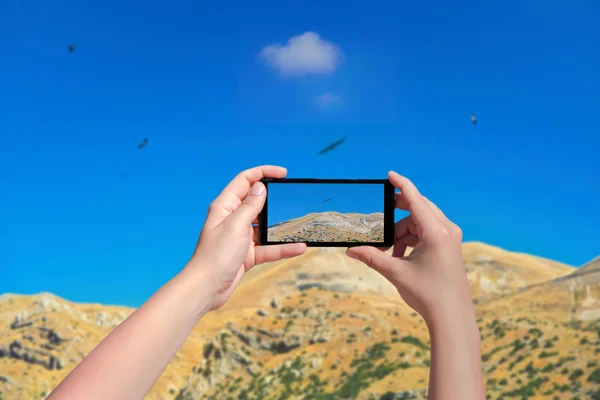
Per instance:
x=328, y=212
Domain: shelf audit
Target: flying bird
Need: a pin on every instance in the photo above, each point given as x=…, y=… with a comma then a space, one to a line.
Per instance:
x=332, y=146
x=473, y=119
x=72, y=47
x=143, y=144
x=326, y=200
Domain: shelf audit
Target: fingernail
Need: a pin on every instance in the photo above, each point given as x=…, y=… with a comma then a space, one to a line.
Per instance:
x=257, y=189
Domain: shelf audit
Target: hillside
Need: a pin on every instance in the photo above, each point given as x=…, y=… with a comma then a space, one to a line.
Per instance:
x=494, y=271
x=329, y=227
x=324, y=326
x=592, y=266
x=571, y=297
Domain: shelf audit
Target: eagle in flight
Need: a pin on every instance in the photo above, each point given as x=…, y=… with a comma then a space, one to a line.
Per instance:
x=72, y=47
x=332, y=146
x=326, y=200
x=143, y=144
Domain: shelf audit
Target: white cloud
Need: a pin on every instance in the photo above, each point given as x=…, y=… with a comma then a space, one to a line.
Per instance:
x=303, y=54
x=329, y=99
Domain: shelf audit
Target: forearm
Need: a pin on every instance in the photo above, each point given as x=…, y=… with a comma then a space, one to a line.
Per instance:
x=130, y=359
x=455, y=371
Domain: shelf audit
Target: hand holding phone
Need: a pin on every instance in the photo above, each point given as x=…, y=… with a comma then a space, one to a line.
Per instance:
x=433, y=282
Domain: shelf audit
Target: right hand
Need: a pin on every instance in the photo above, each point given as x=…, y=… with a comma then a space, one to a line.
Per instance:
x=431, y=279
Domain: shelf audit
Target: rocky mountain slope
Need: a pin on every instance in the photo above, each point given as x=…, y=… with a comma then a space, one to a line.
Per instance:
x=324, y=326
x=571, y=297
x=493, y=271
x=330, y=227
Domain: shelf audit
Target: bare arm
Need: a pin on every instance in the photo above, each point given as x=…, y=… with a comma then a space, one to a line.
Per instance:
x=455, y=371
x=130, y=359
x=127, y=363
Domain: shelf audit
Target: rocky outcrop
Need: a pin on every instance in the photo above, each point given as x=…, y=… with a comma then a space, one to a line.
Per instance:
x=20, y=321
x=37, y=344
x=229, y=351
x=235, y=348
x=276, y=342
x=18, y=351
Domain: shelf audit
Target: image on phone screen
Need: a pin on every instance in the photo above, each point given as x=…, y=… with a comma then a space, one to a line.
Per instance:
x=325, y=212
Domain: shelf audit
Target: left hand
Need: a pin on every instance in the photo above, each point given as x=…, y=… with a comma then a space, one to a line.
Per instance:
x=227, y=245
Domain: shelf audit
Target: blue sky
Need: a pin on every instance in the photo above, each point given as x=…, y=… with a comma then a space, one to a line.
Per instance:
x=290, y=200
x=397, y=79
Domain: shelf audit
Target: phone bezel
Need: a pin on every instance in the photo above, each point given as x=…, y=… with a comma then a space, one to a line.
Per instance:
x=388, y=211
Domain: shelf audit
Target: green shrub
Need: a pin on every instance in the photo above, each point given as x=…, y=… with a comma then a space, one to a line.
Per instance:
x=584, y=341
x=536, y=332
x=545, y=354
x=499, y=332
x=548, y=367
x=575, y=375
x=414, y=341
x=528, y=390
x=594, y=376
x=517, y=345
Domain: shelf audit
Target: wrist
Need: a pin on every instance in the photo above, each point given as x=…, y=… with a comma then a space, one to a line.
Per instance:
x=197, y=287
x=453, y=317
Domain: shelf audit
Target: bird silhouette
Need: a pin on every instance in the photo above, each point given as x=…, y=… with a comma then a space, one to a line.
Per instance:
x=332, y=146
x=72, y=47
x=473, y=119
x=326, y=200
x=143, y=144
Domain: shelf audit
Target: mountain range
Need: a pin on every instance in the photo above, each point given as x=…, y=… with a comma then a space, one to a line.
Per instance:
x=324, y=326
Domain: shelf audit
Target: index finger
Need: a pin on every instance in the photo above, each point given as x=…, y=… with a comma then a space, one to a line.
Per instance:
x=236, y=191
x=421, y=212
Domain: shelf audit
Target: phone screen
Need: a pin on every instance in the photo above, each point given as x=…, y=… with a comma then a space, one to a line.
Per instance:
x=326, y=211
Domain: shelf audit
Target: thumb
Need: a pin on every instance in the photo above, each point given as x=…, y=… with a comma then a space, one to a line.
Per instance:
x=393, y=269
x=251, y=206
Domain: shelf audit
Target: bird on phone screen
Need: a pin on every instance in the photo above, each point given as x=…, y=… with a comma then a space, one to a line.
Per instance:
x=326, y=200
x=72, y=47
x=332, y=146
x=473, y=119
x=143, y=144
